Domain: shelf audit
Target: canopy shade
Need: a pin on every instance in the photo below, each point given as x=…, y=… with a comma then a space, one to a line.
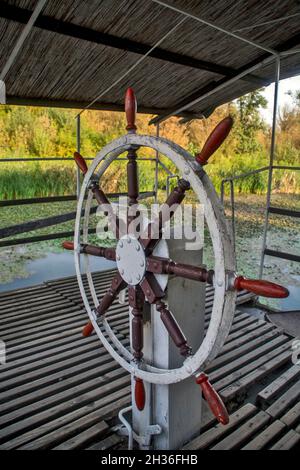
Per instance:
x=77, y=49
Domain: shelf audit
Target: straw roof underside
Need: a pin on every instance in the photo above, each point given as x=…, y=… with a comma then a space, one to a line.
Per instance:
x=56, y=68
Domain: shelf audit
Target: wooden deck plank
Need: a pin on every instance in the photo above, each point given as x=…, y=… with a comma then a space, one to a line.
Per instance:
x=40, y=360
x=252, y=343
x=101, y=376
x=85, y=437
x=266, y=395
x=266, y=437
x=244, y=432
x=51, y=419
x=242, y=336
x=53, y=438
x=109, y=442
x=287, y=442
x=287, y=399
x=209, y=438
x=292, y=417
x=77, y=426
x=55, y=383
x=68, y=328
x=250, y=379
x=53, y=398
x=241, y=361
x=66, y=316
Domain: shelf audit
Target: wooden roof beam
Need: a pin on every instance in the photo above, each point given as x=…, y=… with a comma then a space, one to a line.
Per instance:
x=21, y=15
x=99, y=106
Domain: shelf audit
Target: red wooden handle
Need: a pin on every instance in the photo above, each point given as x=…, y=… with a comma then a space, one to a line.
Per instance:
x=139, y=394
x=259, y=287
x=88, y=329
x=213, y=399
x=68, y=245
x=80, y=162
x=130, y=110
x=215, y=140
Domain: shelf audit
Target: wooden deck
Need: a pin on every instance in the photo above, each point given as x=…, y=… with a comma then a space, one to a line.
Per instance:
x=59, y=390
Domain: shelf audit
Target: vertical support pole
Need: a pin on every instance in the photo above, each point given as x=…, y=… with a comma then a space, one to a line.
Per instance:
x=78, y=142
x=156, y=166
x=271, y=164
x=177, y=408
x=232, y=212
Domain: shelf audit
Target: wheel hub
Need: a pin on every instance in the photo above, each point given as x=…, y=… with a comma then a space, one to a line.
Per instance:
x=131, y=260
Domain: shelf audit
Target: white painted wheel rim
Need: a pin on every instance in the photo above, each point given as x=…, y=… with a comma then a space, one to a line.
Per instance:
x=224, y=300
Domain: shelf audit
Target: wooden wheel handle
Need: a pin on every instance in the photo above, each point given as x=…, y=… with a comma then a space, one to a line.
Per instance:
x=213, y=399
x=80, y=162
x=215, y=140
x=88, y=329
x=260, y=287
x=139, y=394
x=68, y=245
x=130, y=110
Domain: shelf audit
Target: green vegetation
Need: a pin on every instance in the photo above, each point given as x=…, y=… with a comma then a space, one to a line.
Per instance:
x=37, y=132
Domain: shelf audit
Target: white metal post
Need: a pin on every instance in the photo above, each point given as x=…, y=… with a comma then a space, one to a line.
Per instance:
x=271, y=164
x=156, y=165
x=78, y=142
x=177, y=408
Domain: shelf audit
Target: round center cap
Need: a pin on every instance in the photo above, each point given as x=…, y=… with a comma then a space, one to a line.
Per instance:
x=131, y=260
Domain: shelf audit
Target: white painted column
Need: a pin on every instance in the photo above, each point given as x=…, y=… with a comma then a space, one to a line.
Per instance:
x=176, y=408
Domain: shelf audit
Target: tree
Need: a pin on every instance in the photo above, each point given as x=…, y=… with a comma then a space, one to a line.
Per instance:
x=249, y=121
x=295, y=95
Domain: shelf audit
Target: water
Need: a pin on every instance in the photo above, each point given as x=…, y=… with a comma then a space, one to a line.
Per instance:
x=53, y=266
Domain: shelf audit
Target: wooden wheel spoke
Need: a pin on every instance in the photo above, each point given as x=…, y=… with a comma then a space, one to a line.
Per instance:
x=136, y=301
x=153, y=232
x=100, y=251
x=151, y=288
x=117, y=285
x=100, y=196
x=133, y=188
x=173, y=329
x=165, y=266
x=102, y=200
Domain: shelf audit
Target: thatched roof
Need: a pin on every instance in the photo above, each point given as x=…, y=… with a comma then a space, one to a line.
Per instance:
x=78, y=48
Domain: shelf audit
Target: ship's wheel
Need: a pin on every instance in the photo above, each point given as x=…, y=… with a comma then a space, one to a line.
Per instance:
x=143, y=264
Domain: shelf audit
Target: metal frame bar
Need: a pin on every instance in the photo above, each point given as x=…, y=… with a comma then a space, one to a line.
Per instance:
x=282, y=255
x=19, y=44
x=271, y=162
x=55, y=220
x=211, y=88
x=214, y=26
x=47, y=159
x=271, y=210
x=78, y=147
x=156, y=166
x=281, y=211
x=48, y=23
x=40, y=238
x=53, y=199
x=267, y=23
